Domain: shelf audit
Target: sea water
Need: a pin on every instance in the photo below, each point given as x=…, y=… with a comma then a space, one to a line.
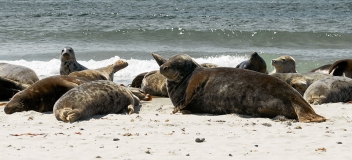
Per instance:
x=223, y=32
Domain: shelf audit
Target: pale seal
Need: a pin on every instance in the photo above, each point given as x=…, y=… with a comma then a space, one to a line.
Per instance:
x=104, y=73
x=284, y=64
x=229, y=90
x=299, y=81
x=255, y=63
x=329, y=90
x=92, y=98
x=42, y=95
x=18, y=73
x=68, y=62
x=341, y=68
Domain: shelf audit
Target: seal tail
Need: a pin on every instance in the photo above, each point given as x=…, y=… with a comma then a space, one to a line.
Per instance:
x=305, y=112
x=110, y=70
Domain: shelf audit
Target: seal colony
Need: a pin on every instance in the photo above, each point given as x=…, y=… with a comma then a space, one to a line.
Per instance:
x=195, y=89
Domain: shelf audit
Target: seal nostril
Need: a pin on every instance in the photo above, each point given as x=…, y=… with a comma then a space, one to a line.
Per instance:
x=165, y=68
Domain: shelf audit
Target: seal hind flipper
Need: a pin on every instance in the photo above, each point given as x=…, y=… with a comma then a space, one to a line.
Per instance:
x=110, y=70
x=339, y=67
x=67, y=115
x=306, y=113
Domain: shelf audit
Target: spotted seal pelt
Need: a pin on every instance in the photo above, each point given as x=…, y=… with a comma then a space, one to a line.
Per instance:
x=104, y=73
x=255, y=63
x=18, y=73
x=341, y=68
x=68, y=62
x=42, y=95
x=329, y=90
x=224, y=90
x=284, y=64
x=92, y=98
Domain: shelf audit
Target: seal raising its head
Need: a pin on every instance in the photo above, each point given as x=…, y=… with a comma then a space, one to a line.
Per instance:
x=97, y=97
x=224, y=90
x=68, y=62
x=284, y=64
x=255, y=63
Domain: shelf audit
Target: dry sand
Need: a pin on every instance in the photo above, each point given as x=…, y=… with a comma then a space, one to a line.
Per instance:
x=154, y=133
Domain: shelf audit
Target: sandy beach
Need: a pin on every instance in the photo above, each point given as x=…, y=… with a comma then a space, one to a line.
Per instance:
x=154, y=133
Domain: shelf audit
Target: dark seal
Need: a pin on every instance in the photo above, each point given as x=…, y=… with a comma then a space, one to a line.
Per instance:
x=42, y=95
x=229, y=90
x=255, y=63
x=8, y=88
x=92, y=98
x=69, y=63
x=341, y=68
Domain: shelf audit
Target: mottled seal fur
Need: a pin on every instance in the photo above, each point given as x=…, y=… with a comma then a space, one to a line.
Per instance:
x=255, y=63
x=341, y=68
x=68, y=62
x=42, y=95
x=224, y=90
x=284, y=64
x=154, y=83
x=329, y=90
x=104, y=73
x=92, y=98
x=299, y=81
x=137, y=81
x=18, y=73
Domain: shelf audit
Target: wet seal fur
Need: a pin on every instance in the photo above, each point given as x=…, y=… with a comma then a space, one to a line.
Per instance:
x=322, y=69
x=92, y=98
x=42, y=95
x=18, y=73
x=68, y=62
x=284, y=64
x=104, y=73
x=329, y=90
x=341, y=68
x=255, y=63
x=229, y=90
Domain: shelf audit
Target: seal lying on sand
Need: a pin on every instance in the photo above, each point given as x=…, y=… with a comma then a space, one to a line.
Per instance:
x=255, y=63
x=341, y=67
x=284, y=64
x=104, y=73
x=18, y=73
x=42, y=95
x=229, y=90
x=329, y=90
x=299, y=81
x=8, y=88
x=68, y=62
x=97, y=97
x=322, y=69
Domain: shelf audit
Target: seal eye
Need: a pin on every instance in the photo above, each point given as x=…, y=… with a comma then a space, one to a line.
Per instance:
x=70, y=50
x=283, y=60
x=62, y=51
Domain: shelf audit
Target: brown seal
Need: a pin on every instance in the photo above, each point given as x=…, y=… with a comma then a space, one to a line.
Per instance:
x=229, y=90
x=137, y=81
x=331, y=89
x=104, y=73
x=68, y=62
x=42, y=95
x=284, y=64
x=154, y=83
x=18, y=73
x=8, y=88
x=341, y=68
x=255, y=63
x=91, y=98
x=322, y=69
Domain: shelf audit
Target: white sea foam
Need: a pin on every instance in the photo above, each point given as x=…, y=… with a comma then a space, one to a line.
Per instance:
x=124, y=76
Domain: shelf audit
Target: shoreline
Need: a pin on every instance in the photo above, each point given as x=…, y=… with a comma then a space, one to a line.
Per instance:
x=155, y=133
